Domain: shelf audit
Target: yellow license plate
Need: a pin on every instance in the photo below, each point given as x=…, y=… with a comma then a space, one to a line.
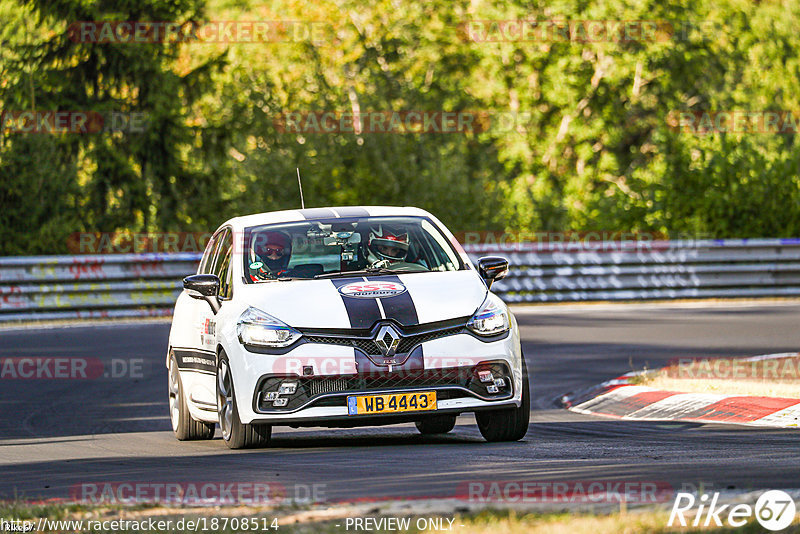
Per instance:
x=392, y=403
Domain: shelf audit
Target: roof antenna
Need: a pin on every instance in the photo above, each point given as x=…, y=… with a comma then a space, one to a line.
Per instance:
x=300, y=185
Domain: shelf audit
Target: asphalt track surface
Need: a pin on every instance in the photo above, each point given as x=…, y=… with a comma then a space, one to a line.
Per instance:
x=55, y=434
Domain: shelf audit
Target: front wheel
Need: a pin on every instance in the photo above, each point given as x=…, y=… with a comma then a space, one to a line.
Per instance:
x=508, y=424
x=183, y=425
x=235, y=434
x=441, y=424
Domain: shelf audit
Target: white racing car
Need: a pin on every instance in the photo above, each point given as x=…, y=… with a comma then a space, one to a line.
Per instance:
x=342, y=317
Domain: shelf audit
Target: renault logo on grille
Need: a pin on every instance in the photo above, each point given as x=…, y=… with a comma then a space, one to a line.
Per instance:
x=387, y=340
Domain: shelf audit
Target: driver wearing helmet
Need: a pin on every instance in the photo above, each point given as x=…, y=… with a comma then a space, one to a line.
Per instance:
x=270, y=255
x=388, y=246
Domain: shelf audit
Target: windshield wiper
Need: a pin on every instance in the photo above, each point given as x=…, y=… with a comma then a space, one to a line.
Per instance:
x=363, y=272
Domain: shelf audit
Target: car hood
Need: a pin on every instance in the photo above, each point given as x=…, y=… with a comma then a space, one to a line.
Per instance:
x=409, y=299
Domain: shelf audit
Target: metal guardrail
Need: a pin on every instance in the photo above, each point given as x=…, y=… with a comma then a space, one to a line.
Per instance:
x=76, y=287
x=131, y=285
x=643, y=270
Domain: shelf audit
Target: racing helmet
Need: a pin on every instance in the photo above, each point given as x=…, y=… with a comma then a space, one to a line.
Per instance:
x=273, y=249
x=388, y=243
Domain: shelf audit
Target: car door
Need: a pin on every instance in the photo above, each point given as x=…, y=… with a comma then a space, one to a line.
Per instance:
x=183, y=334
x=201, y=355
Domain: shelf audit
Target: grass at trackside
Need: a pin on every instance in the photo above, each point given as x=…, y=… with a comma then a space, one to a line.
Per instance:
x=508, y=522
x=482, y=522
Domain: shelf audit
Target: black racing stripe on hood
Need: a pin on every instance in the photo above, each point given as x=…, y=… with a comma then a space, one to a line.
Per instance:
x=351, y=211
x=400, y=307
x=318, y=213
x=363, y=313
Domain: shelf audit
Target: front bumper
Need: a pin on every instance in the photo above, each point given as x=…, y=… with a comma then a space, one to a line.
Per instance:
x=333, y=391
x=338, y=418
x=320, y=399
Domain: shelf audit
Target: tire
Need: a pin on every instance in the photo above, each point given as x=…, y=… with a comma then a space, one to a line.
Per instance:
x=235, y=434
x=441, y=424
x=184, y=426
x=508, y=424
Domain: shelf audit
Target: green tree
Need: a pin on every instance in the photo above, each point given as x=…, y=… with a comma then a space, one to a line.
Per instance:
x=109, y=180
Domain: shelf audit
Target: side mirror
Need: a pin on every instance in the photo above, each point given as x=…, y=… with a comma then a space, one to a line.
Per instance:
x=492, y=268
x=204, y=287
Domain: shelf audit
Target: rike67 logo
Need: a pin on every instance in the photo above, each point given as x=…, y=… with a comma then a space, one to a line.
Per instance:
x=774, y=510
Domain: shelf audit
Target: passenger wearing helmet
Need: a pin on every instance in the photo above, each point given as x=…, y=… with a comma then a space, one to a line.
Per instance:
x=270, y=255
x=389, y=247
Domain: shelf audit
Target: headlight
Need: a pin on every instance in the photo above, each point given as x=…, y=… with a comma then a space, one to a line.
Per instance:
x=491, y=318
x=256, y=327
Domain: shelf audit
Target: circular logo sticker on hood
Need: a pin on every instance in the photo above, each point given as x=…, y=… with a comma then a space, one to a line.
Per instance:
x=372, y=290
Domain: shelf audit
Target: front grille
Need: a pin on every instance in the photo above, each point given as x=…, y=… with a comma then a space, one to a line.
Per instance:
x=394, y=380
x=408, y=343
x=329, y=340
x=367, y=345
x=309, y=389
x=330, y=385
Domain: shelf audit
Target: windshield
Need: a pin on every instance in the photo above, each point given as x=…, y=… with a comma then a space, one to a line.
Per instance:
x=343, y=247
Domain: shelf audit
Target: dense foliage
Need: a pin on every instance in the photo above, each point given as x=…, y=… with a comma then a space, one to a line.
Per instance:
x=593, y=146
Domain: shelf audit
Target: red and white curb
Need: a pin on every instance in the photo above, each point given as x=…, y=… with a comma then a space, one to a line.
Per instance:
x=619, y=399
